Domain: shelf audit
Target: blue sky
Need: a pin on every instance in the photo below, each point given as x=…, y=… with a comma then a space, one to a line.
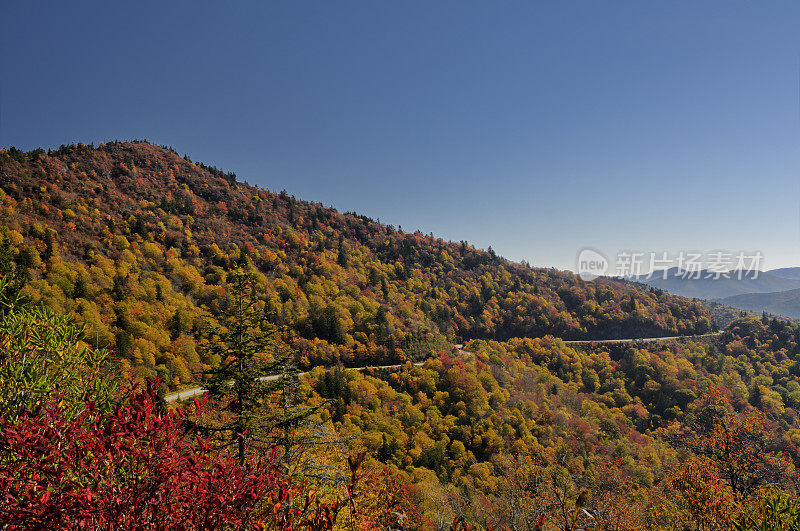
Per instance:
x=536, y=128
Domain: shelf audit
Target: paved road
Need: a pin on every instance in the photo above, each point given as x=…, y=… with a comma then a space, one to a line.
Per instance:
x=639, y=340
x=197, y=391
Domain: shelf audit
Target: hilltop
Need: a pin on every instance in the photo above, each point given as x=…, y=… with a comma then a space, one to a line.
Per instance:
x=136, y=240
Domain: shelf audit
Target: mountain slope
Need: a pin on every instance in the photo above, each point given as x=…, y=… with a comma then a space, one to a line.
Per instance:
x=136, y=241
x=786, y=303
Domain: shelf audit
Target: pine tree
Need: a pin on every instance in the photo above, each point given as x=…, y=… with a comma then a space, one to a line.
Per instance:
x=255, y=381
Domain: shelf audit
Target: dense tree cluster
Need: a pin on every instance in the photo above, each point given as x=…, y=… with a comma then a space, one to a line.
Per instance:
x=136, y=242
x=126, y=259
x=77, y=451
x=519, y=429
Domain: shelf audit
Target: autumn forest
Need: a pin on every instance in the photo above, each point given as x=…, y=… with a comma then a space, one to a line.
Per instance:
x=354, y=376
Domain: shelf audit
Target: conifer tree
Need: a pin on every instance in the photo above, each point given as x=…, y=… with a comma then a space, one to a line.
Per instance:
x=256, y=380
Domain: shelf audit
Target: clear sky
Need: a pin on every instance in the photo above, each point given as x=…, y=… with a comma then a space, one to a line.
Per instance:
x=536, y=128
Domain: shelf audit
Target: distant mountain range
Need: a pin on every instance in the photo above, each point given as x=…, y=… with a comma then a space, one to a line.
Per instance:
x=786, y=303
x=704, y=285
x=792, y=273
x=776, y=291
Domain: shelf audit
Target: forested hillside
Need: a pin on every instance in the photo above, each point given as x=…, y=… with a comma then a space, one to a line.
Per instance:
x=517, y=430
x=136, y=242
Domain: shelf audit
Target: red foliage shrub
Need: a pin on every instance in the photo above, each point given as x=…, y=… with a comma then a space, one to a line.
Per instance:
x=137, y=469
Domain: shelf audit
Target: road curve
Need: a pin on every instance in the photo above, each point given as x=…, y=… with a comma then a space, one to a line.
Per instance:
x=198, y=391
x=639, y=340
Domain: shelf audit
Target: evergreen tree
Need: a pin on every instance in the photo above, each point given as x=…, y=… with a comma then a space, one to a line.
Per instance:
x=341, y=257
x=13, y=277
x=256, y=381
x=79, y=289
x=48, y=245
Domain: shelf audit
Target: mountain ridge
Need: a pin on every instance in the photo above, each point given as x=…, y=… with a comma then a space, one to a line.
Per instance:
x=133, y=240
x=709, y=285
x=785, y=303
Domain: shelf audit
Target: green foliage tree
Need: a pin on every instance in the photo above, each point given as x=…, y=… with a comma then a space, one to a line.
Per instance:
x=42, y=353
x=256, y=379
x=12, y=277
x=773, y=510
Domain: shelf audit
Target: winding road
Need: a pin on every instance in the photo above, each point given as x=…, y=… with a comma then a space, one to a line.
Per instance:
x=638, y=340
x=198, y=391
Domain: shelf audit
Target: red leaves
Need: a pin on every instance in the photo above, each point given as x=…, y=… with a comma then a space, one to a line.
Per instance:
x=741, y=444
x=131, y=469
x=701, y=496
x=136, y=469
